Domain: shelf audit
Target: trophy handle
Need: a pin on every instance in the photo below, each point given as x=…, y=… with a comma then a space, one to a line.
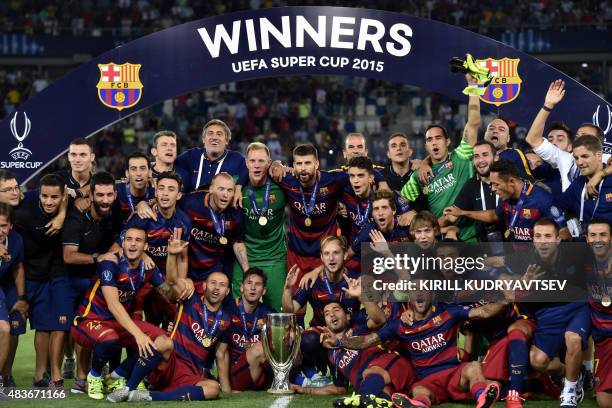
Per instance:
x=296, y=349
x=265, y=344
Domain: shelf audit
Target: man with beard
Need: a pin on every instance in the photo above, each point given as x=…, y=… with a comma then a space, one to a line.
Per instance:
x=375, y=372
x=249, y=370
x=103, y=322
x=385, y=228
x=430, y=341
x=600, y=239
x=168, y=217
x=164, y=151
x=263, y=203
x=357, y=201
x=563, y=321
x=398, y=172
x=199, y=165
x=450, y=169
x=313, y=197
x=78, y=176
x=215, y=226
x=47, y=287
x=201, y=326
x=521, y=204
x=476, y=193
x=329, y=286
x=12, y=291
x=587, y=154
x=136, y=188
x=85, y=236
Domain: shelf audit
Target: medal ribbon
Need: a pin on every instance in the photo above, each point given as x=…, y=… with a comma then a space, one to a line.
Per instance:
x=210, y=334
x=266, y=200
x=129, y=195
x=329, y=289
x=220, y=229
x=310, y=207
x=519, y=206
x=244, y=321
x=361, y=221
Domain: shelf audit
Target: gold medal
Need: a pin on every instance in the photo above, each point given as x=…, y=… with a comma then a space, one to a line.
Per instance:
x=507, y=234
x=426, y=190
x=308, y=222
x=247, y=344
x=206, y=342
x=263, y=220
x=606, y=301
x=222, y=240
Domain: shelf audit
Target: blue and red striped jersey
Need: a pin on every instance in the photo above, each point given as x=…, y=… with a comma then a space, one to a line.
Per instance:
x=319, y=295
x=599, y=288
x=128, y=282
x=397, y=234
x=305, y=240
x=349, y=365
x=158, y=233
x=239, y=334
x=190, y=331
x=126, y=202
x=431, y=343
x=537, y=203
x=206, y=251
x=357, y=214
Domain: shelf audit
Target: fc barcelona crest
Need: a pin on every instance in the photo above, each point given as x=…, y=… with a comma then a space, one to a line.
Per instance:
x=506, y=84
x=119, y=86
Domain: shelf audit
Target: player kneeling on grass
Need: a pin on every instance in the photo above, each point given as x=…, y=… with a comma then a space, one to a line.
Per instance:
x=430, y=341
x=249, y=368
x=175, y=366
x=374, y=372
x=103, y=321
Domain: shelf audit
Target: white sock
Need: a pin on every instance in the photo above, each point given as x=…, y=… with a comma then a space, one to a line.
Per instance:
x=588, y=365
x=569, y=385
x=114, y=375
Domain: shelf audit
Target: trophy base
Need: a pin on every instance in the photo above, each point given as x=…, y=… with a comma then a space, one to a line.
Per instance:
x=279, y=392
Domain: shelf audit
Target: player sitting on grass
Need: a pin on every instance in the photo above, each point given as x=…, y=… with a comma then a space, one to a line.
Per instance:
x=103, y=322
x=430, y=341
x=175, y=366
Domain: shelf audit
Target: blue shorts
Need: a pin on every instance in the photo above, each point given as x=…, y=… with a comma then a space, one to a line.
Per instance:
x=553, y=322
x=8, y=298
x=50, y=307
x=77, y=291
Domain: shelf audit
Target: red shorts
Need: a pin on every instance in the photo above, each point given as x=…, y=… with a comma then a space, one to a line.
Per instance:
x=240, y=376
x=88, y=333
x=603, y=365
x=399, y=369
x=305, y=263
x=444, y=385
x=175, y=373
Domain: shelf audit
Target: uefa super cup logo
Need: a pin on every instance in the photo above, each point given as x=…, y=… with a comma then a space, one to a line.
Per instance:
x=607, y=118
x=20, y=152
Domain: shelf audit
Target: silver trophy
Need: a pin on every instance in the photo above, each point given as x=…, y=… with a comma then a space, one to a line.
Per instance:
x=281, y=343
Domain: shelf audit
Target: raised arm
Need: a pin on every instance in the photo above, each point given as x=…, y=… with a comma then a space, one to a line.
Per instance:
x=241, y=255
x=290, y=305
x=470, y=131
x=360, y=342
x=487, y=311
x=554, y=95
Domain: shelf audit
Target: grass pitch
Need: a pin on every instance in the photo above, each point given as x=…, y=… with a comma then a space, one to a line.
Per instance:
x=24, y=369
